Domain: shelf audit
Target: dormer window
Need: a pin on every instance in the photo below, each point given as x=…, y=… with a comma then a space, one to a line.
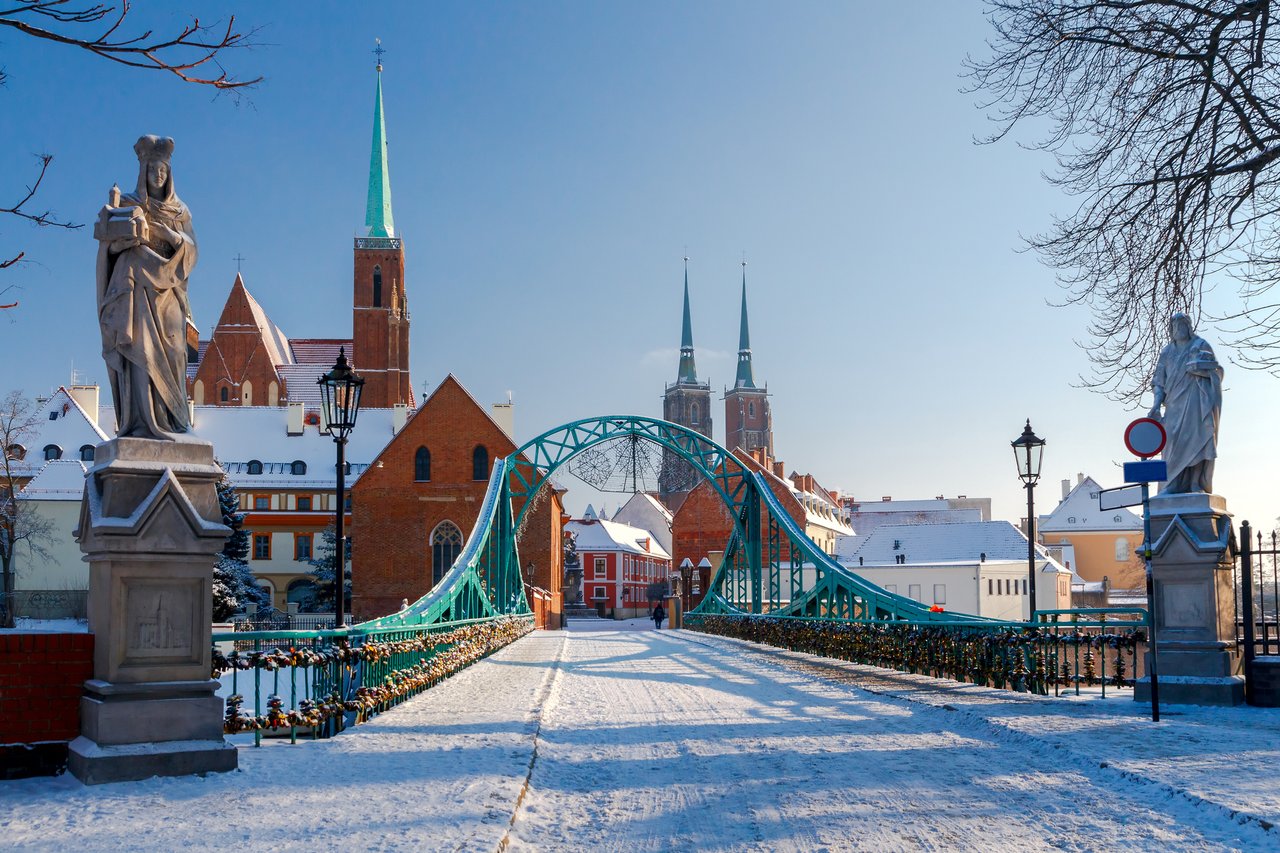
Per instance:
x=254, y=467
x=52, y=451
x=298, y=468
x=16, y=451
x=86, y=453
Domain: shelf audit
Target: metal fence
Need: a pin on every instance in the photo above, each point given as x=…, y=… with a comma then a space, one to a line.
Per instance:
x=1257, y=595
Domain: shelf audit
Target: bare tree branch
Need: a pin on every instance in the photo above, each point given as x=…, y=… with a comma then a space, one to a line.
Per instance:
x=43, y=218
x=194, y=46
x=19, y=523
x=1164, y=121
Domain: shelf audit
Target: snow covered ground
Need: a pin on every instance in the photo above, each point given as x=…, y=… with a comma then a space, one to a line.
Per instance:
x=613, y=736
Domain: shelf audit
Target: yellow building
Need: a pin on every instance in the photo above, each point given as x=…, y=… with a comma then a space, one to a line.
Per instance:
x=1093, y=543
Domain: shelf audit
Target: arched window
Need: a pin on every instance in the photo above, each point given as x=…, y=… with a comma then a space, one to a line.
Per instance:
x=480, y=463
x=52, y=451
x=446, y=544
x=197, y=393
x=255, y=467
x=246, y=393
x=751, y=409
x=422, y=465
x=86, y=453
x=693, y=414
x=377, y=287
x=17, y=451
x=223, y=394
x=298, y=468
x=301, y=592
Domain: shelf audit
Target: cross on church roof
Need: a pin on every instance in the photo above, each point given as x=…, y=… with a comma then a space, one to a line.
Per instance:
x=238, y=259
x=379, y=51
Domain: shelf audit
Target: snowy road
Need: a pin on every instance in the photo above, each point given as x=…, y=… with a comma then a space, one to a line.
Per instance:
x=645, y=740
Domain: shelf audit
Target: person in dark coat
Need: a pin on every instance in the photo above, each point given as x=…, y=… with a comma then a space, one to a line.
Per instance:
x=658, y=615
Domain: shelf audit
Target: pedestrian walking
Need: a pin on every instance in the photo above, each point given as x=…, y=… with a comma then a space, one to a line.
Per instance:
x=658, y=615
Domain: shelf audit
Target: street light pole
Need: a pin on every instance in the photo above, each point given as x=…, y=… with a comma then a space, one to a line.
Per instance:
x=340, y=391
x=1028, y=450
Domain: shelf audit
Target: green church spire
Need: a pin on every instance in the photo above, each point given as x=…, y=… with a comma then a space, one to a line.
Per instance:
x=744, y=379
x=688, y=373
x=377, y=215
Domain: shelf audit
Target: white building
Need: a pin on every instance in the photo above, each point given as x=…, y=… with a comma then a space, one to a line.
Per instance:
x=646, y=512
x=968, y=567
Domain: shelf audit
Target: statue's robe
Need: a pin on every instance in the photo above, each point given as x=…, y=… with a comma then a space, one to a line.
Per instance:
x=1192, y=409
x=143, y=311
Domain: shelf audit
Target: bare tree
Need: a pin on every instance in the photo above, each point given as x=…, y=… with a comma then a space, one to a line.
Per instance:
x=20, y=525
x=190, y=54
x=1164, y=119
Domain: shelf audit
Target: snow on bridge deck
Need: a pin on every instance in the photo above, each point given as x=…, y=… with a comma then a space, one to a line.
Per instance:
x=651, y=740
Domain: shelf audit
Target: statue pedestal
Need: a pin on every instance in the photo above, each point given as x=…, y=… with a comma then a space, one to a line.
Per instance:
x=150, y=528
x=1193, y=568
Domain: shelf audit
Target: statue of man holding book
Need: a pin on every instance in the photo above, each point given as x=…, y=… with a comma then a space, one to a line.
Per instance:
x=1188, y=384
x=146, y=251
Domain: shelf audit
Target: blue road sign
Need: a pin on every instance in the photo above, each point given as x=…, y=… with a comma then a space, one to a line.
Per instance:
x=1146, y=471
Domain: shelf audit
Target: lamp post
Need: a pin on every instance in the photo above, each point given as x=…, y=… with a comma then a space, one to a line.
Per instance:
x=340, y=392
x=1028, y=449
x=686, y=570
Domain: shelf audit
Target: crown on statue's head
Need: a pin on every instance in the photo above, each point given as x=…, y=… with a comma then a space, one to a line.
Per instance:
x=153, y=147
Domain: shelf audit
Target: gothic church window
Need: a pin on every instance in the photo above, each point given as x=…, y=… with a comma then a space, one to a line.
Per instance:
x=223, y=394
x=422, y=465
x=446, y=544
x=480, y=463
x=377, y=287
x=693, y=414
x=751, y=409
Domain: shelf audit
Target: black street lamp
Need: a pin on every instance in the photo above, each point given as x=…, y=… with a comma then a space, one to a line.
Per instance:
x=340, y=391
x=1028, y=449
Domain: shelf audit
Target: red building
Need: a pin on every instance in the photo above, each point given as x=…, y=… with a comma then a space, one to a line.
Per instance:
x=417, y=502
x=619, y=564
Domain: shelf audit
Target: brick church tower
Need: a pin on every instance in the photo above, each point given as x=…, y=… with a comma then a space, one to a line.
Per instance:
x=686, y=402
x=380, y=306
x=747, y=421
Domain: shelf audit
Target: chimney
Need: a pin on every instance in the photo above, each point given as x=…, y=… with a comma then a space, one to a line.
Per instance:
x=1066, y=490
x=86, y=396
x=399, y=417
x=504, y=414
x=779, y=471
x=886, y=499
x=294, y=420
x=1079, y=479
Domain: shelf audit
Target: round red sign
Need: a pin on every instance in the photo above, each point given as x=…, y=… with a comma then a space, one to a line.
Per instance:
x=1144, y=437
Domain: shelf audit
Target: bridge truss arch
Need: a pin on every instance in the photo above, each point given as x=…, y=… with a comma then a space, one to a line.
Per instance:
x=770, y=565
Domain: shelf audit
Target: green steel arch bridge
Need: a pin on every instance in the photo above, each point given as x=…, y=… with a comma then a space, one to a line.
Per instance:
x=770, y=567
x=774, y=585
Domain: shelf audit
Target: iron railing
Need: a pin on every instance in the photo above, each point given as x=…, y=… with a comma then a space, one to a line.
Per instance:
x=333, y=679
x=1094, y=647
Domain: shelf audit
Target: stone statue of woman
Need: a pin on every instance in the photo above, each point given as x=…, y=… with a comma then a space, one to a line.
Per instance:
x=1188, y=384
x=146, y=252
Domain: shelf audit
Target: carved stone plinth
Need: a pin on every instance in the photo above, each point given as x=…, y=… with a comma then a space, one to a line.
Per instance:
x=1193, y=567
x=150, y=528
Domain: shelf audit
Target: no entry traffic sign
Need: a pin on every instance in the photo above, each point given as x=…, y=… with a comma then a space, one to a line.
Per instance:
x=1144, y=437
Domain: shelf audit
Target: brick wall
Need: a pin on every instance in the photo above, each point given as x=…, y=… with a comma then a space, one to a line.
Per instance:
x=393, y=515
x=41, y=676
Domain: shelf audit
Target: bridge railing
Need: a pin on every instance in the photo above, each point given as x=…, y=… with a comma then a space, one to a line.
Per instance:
x=1080, y=648
x=316, y=683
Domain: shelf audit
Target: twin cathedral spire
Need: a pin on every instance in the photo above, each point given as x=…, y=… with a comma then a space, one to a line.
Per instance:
x=687, y=402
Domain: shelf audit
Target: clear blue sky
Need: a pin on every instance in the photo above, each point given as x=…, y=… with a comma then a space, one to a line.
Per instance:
x=550, y=164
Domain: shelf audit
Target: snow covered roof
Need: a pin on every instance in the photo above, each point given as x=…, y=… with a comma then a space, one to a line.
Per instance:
x=243, y=434
x=945, y=543
x=59, y=421
x=1079, y=512
x=614, y=536
x=901, y=506
x=276, y=342
x=58, y=480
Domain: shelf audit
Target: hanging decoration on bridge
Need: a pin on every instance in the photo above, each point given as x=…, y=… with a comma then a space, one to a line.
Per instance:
x=625, y=464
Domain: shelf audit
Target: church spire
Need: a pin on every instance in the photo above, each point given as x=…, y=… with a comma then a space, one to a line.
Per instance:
x=377, y=216
x=688, y=372
x=744, y=379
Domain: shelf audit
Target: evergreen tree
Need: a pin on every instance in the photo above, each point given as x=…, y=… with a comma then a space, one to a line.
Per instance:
x=234, y=584
x=322, y=572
